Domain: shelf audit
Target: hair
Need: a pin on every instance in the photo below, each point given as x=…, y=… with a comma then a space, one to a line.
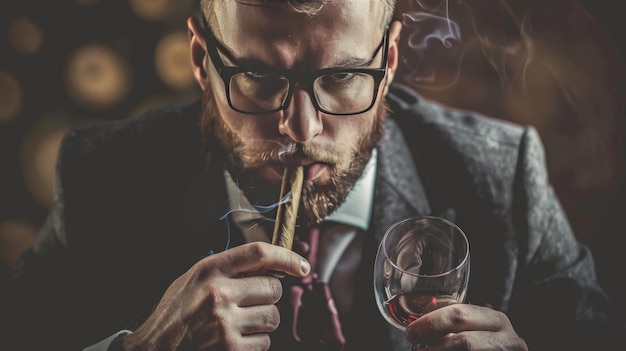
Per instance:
x=308, y=7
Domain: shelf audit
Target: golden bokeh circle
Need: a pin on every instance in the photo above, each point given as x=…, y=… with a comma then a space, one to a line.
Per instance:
x=16, y=236
x=97, y=76
x=151, y=10
x=38, y=157
x=172, y=61
x=25, y=36
x=11, y=97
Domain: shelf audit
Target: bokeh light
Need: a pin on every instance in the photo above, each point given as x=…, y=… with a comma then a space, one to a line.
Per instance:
x=15, y=237
x=38, y=156
x=11, y=97
x=172, y=61
x=152, y=10
x=25, y=36
x=97, y=77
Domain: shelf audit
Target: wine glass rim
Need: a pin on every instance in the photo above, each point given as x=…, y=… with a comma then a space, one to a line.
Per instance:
x=435, y=218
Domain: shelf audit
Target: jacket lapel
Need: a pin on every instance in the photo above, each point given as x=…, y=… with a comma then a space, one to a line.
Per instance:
x=399, y=189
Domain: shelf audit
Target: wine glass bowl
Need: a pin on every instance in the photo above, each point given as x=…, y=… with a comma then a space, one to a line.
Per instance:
x=422, y=264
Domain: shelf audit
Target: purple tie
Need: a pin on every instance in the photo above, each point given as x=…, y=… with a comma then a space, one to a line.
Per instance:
x=313, y=316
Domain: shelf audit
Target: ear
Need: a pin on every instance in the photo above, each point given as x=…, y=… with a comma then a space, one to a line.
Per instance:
x=198, y=51
x=392, y=59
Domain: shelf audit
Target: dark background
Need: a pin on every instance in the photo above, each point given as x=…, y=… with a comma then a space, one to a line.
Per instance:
x=554, y=64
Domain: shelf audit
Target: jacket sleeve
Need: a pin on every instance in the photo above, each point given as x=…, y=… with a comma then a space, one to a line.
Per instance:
x=43, y=283
x=557, y=303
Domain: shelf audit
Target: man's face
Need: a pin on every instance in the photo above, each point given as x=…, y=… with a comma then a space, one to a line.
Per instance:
x=333, y=149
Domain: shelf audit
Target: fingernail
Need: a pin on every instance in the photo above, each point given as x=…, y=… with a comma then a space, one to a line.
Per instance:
x=305, y=267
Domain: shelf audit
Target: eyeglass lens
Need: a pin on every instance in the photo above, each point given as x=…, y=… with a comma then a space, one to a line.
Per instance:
x=336, y=92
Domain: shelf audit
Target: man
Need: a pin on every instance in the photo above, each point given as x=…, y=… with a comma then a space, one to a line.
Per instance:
x=157, y=239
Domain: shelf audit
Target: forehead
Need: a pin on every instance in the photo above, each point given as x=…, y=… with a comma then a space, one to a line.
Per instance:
x=275, y=33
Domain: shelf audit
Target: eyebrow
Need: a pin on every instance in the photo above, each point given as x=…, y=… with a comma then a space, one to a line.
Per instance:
x=356, y=61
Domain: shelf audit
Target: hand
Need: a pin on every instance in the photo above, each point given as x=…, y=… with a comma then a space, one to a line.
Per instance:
x=224, y=302
x=465, y=327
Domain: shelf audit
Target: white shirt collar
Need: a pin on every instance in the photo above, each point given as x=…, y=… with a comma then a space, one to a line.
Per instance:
x=356, y=211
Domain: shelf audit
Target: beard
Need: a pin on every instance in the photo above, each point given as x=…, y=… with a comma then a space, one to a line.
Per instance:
x=244, y=159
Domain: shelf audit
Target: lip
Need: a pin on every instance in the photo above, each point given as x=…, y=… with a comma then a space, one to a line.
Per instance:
x=312, y=169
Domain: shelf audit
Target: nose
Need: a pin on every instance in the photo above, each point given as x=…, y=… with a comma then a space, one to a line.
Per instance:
x=301, y=121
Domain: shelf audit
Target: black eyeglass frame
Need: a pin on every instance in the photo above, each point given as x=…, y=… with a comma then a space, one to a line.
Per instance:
x=299, y=76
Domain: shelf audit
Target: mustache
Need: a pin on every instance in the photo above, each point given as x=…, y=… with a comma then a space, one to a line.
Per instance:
x=311, y=151
x=262, y=152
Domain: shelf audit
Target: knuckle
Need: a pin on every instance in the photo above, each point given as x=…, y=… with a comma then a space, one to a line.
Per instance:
x=276, y=289
x=198, y=270
x=270, y=319
x=275, y=318
x=265, y=343
x=502, y=318
x=458, y=315
x=258, y=250
x=203, y=270
x=216, y=295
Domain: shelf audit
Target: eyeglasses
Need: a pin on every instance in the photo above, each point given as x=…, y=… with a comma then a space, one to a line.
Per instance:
x=336, y=91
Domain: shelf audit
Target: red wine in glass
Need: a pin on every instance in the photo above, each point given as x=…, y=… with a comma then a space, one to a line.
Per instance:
x=405, y=308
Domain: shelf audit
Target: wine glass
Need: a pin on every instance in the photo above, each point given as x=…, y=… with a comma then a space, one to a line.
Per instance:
x=422, y=264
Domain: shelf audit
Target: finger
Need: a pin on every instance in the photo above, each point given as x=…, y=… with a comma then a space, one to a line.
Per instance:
x=242, y=329
x=257, y=290
x=455, y=319
x=260, y=342
x=259, y=319
x=256, y=256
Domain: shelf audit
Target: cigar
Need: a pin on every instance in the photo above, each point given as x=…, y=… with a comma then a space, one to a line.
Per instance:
x=285, y=225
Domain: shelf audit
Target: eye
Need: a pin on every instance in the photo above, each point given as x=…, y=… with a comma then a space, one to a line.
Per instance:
x=338, y=77
x=257, y=75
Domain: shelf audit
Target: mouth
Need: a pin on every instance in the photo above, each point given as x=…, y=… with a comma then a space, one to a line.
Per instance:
x=312, y=168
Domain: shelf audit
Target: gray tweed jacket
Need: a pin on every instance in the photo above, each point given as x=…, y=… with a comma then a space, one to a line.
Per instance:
x=139, y=201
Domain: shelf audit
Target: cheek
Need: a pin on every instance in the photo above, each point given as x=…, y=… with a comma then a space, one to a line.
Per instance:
x=248, y=127
x=348, y=132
